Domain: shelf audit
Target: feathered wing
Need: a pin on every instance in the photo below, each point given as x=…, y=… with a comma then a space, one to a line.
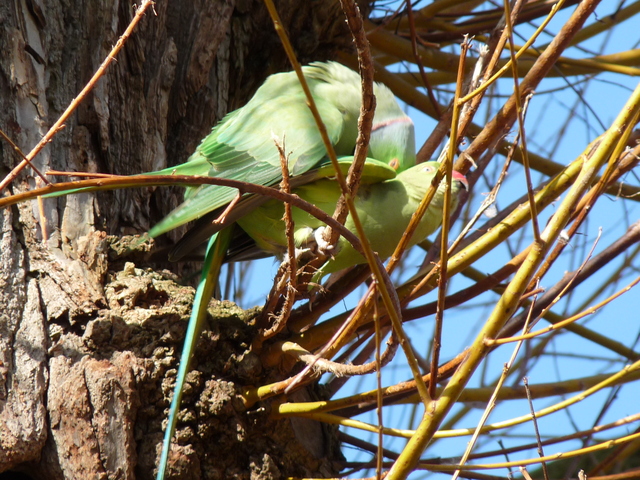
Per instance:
x=373, y=172
x=234, y=154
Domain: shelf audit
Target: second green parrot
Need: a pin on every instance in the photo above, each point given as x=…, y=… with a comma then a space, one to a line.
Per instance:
x=384, y=209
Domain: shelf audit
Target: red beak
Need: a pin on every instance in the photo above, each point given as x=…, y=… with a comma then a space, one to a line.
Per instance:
x=461, y=178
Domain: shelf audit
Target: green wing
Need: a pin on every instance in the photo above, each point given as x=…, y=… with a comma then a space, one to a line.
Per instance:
x=235, y=154
x=373, y=172
x=241, y=146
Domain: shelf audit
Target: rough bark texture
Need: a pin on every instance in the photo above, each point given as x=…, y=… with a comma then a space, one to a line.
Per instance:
x=88, y=344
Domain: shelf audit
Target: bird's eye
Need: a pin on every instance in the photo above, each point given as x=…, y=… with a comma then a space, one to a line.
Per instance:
x=428, y=168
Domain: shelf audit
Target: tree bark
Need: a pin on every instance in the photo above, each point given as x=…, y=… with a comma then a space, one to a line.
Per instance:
x=89, y=342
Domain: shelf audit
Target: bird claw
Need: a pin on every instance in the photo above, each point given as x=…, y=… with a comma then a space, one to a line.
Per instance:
x=323, y=247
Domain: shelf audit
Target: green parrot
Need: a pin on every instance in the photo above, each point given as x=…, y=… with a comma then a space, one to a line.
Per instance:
x=384, y=208
x=241, y=147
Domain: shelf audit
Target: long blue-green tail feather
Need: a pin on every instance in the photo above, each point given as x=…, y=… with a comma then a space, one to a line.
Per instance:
x=216, y=250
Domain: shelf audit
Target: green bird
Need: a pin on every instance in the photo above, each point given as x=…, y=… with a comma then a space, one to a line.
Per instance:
x=384, y=207
x=241, y=147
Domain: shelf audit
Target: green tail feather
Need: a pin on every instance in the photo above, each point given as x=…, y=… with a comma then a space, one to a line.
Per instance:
x=216, y=249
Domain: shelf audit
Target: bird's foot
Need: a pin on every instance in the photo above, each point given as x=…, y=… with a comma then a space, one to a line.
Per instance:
x=323, y=247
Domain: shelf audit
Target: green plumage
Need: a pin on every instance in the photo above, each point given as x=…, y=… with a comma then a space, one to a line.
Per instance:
x=241, y=146
x=384, y=208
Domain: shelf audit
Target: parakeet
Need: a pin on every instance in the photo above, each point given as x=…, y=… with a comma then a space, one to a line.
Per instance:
x=384, y=208
x=241, y=146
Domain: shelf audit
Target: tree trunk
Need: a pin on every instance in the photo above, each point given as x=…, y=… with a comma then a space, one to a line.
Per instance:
x=89, y=342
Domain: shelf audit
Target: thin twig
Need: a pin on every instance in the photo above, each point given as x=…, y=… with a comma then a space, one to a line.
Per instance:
x=367, y=110
x=317, y=363
x=525, y=382
x=378, y=361
x=286, y=278
x=567, y=321
x=492, y=402
x=444, y=232
x=220, y=219
x=135, y=181
x=520, y=111
x=43, y=217
x=418, y=58
x=24, y=157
